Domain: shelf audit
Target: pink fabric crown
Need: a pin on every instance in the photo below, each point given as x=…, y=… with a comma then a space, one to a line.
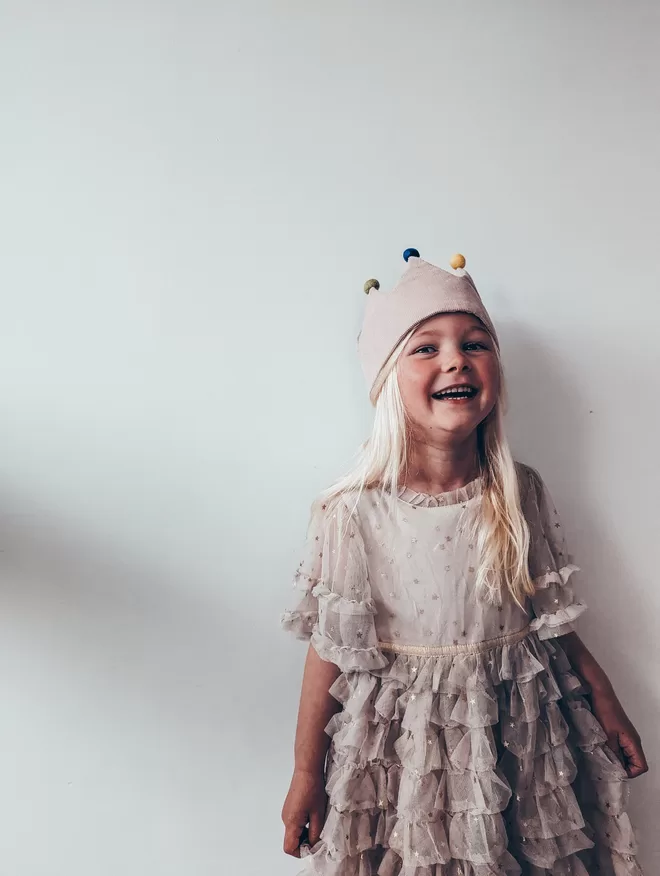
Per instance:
x=423, y=291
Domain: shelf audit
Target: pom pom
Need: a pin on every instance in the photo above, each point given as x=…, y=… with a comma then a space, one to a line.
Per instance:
x=410, y=252
x=371, y=284
x=457, y=261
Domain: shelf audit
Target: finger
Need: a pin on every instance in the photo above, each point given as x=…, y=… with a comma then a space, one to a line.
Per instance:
x=635, y=759
x=292, y=839
x=315, y=827
x=635, y=770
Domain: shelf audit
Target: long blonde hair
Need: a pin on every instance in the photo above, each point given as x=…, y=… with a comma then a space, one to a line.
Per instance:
x=498, y=527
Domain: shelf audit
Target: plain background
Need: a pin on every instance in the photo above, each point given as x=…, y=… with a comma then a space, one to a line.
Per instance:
x=192, y=196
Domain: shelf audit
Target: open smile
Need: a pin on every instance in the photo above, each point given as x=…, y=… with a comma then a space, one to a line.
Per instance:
x=455, y=394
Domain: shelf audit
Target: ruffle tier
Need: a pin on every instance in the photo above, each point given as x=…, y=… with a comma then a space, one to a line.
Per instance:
x=486, y=764
x=341, y=629
x=554, y=602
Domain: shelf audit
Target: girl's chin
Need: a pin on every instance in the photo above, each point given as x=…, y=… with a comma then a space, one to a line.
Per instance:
x=461, y=427
x=453, y=415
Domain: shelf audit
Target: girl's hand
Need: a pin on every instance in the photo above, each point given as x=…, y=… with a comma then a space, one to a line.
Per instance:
x=305, y=805
x=622, y=737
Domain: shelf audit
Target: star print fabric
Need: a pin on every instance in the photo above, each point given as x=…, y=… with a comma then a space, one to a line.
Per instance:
x=465, y=745
x=336, y=609
x=554, y=603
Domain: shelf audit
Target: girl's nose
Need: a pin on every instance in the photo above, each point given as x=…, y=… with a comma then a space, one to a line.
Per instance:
x=456, y=361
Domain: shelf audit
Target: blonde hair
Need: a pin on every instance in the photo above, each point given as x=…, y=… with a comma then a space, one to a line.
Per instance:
x=498, y=526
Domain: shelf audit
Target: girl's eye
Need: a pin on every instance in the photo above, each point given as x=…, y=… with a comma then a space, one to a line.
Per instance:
x=427, y=348
x=475, y=345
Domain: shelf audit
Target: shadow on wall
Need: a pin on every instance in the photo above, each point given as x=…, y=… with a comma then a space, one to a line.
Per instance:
x=553, y=428
x=140, y=641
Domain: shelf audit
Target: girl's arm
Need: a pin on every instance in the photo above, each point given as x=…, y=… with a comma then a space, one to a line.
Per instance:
x=622, y=737
x=306, y=802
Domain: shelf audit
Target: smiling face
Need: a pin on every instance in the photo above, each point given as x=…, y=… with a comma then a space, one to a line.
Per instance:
x=449, y=376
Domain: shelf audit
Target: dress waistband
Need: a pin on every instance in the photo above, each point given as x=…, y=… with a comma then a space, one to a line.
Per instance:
x=462, y=648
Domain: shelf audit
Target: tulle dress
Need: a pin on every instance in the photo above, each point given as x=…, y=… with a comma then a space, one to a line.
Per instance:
x=465, y=745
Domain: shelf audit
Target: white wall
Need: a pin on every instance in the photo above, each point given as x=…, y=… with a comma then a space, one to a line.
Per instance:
x=192, y=196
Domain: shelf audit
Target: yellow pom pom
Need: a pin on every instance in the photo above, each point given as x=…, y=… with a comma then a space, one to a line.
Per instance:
x=457, y=261
x=371, y=284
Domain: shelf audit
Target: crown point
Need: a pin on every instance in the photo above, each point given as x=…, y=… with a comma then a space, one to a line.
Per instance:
x=457, y=261
x=371, y=284
x=410, y=252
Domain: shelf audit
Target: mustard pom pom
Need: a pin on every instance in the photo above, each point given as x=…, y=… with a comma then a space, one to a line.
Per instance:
x=371, y=284
x=457, y=261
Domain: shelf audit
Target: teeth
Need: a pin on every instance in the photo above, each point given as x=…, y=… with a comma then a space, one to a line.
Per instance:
x=457, y=391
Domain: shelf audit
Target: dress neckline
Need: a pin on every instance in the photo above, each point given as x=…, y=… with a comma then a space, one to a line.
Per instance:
x=452, y=497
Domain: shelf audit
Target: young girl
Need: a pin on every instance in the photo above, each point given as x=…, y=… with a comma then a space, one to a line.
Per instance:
x=444, y=673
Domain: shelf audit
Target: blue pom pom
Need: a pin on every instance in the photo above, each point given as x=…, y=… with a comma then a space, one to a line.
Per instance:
x=410, y=252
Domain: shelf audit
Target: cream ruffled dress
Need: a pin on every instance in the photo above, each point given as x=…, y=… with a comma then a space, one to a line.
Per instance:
x=465, y=745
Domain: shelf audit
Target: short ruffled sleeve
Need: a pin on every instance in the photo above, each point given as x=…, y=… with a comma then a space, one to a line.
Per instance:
x=334, y=607
x=555, y=604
